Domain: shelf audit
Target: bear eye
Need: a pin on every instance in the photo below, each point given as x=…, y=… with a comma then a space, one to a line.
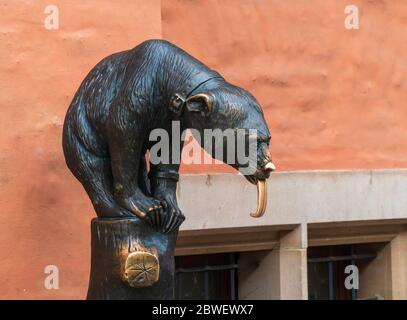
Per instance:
x=176, y=102
x=265, y=139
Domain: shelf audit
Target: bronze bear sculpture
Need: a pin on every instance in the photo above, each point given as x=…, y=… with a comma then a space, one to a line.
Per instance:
x=123, y=98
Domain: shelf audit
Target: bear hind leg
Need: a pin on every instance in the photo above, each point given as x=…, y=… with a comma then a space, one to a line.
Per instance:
x=94, y=173
x=99, y=189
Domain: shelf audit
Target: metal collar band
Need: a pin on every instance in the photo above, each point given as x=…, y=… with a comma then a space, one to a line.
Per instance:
x=200, y=84
x=170, y=175
x=177, y=101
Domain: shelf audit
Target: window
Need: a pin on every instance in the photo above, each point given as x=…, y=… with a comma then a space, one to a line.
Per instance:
x=326, y=270
x=205, y=277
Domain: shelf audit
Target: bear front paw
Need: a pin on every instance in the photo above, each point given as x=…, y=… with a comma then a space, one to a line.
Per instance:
x=174, y=219
x=146, y=208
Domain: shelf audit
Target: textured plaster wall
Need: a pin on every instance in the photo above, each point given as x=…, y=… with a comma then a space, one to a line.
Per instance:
x=333, y=98
x=44, y=213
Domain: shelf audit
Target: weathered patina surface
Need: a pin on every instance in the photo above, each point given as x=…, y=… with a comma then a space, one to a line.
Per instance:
x=121, y=250
x=127, y=95
x=106, y=137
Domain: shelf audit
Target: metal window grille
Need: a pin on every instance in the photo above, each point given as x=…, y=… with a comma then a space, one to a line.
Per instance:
x=205, y=271
x=332, y=261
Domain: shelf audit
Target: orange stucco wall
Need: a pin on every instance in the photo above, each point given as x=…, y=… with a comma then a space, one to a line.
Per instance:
x=333, y=98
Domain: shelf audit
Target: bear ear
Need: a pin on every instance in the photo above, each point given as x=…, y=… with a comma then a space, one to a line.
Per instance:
x=200, y=102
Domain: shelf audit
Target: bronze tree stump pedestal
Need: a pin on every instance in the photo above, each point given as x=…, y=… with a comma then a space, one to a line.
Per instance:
x=130, y=260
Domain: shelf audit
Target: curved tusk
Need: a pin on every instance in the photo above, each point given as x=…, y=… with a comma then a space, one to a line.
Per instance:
x=270, y=166
x=262, y=199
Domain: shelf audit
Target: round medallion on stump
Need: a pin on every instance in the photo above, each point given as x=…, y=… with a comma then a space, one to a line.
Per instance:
x=142, y=269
